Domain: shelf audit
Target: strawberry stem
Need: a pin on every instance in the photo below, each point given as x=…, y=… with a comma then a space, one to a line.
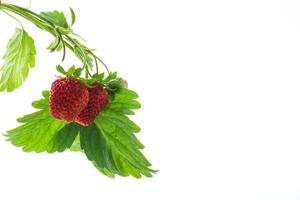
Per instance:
x=84, y=53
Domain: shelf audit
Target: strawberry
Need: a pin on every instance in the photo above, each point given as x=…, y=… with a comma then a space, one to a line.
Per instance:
x=68, y=97
x=98, y=98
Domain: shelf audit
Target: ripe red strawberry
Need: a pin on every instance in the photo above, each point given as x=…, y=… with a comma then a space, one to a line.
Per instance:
x=68, y=97
x=98, y=98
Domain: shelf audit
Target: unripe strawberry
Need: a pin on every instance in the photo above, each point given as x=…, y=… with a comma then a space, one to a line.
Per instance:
x=98, y=98
x=68, y=97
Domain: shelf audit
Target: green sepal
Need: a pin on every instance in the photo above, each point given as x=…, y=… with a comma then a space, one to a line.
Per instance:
x=71, y=72
x=61, y=70
x=77, y=72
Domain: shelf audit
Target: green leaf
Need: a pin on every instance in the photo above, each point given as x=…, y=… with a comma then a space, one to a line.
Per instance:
x=124, y=102
x=76, y=144
x=73, y=16
x=96, y=149
x=126, y=147
x=56, y=17
x=40, y=132
x=65, y=137
x=19, y=57
x=121, y=143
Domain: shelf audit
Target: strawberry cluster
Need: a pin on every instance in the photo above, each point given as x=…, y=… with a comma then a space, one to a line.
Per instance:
x=72, y=101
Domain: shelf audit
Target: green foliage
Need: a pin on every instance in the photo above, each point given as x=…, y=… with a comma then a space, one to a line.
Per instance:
x=124, y=102
x=56, y=24
x=39, y=132
x=76, y=144
x=72, y=71
x=118, y=132
x=73, y=16
x=56, y=17
x=112, y=82
x=96, y=149
x=19, y=57
x=109, y=143
x=65, y=137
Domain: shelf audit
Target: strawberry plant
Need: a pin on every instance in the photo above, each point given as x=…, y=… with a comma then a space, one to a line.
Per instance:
x=86, y=110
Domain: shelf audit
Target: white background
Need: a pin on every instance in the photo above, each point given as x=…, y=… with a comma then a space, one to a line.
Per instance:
x=219, y=82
